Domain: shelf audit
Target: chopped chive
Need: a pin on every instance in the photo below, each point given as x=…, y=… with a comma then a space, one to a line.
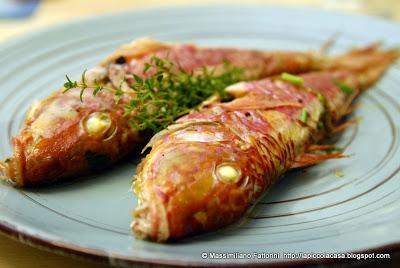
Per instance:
x=294, y=79
x=345, y=88
x=304, y=115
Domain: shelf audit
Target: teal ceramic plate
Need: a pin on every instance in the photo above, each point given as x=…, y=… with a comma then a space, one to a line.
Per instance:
x=312, y=210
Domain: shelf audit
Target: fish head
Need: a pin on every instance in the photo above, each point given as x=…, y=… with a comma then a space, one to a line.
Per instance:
x=200, y=181
x=66, y=135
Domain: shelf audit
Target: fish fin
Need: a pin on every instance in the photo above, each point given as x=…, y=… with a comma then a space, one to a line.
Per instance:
x=136, y=48
x=211, y=100
x=320, y=147
x=345, y=125
x=351, y=109
x=367, y=64
x=238, y=90
x=250, y=103
x=307, y=159
x=328, y=44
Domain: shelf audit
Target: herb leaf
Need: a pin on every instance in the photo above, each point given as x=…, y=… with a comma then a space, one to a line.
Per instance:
x=345, y=88
x=304, y=115
x=294, y=79
x=172, y=92
x=167, y=94
x=97, y=88
x=69, y=84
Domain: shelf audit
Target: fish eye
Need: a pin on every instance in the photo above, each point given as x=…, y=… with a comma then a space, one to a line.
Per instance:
x=99, y=124
x=228, y=173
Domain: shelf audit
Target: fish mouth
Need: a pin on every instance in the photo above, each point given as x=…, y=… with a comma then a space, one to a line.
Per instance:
x=150, y=223
x=10, y=172
x=150, y=220
x=141, y=224
x=12, y=168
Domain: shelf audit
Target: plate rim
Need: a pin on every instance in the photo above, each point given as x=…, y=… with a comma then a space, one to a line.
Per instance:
x=90, y=254
x=87, y=18
x=99, y=256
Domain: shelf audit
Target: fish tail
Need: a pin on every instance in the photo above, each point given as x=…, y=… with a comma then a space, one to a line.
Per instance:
x=367, y=64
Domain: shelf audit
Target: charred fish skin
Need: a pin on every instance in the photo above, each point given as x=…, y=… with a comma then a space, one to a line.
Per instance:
x=205, y=171
x=64, y=136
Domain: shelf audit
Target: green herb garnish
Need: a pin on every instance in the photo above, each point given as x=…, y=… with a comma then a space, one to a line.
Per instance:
x=168, y=93
x=294, y=79
x=171, y=93
x=69, y=84
x=74, y=84
x=304, y=115
x=345, y=88
x=7, y=160
x=97, y=87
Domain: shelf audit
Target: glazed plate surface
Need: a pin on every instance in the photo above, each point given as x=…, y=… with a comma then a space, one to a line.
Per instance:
x=311, y=210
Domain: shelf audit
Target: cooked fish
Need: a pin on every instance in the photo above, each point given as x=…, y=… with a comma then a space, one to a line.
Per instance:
x=205, y=171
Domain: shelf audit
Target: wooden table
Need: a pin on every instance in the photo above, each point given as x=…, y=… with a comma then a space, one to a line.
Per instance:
x=51, y=12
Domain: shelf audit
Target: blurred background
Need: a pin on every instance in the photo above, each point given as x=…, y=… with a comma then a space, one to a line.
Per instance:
x=23, y=16
x=19, y=16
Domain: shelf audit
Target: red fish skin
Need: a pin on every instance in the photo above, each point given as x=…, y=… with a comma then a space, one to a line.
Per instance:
x=53, y=145
x=234, y=138
x=257, y=140
x=256, y=63
x=62, y=152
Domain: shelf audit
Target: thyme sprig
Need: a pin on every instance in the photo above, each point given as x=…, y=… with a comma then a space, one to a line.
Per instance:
x=164, y=91
x=82, y=85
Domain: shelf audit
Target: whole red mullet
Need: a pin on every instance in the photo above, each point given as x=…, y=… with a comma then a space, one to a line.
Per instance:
x=205, y=171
